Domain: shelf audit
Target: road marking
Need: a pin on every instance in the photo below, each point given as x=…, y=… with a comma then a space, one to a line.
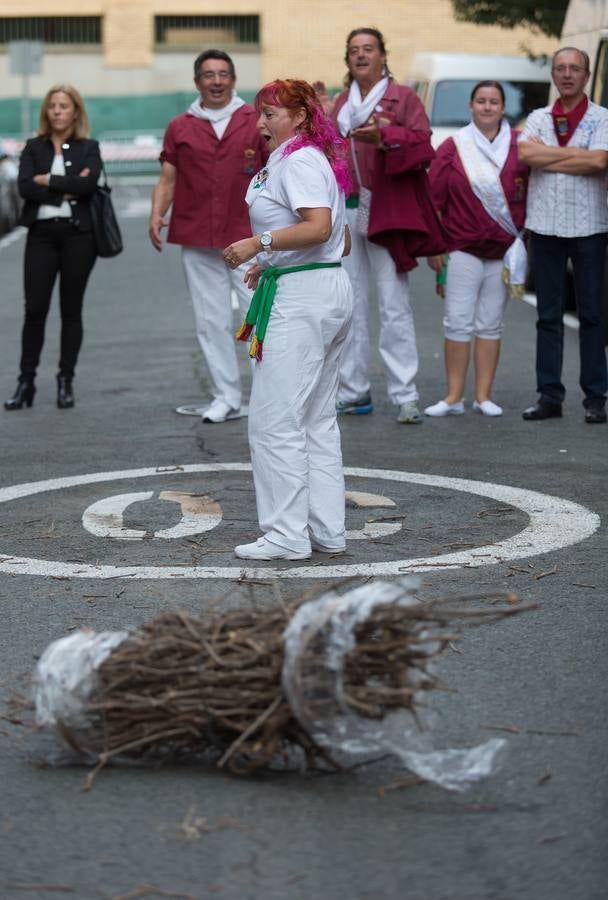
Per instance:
x=105, y=517
x=15, y=235
x=554, y=523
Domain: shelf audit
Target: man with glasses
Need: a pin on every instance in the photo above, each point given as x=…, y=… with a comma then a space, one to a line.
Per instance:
x=209, y=154
x=566, y=146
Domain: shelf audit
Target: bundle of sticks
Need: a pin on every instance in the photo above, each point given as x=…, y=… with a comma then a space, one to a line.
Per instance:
x=185, y=685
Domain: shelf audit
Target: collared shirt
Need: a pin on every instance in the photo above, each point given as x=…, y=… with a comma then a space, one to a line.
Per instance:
x=568, y=205
x=212, y=176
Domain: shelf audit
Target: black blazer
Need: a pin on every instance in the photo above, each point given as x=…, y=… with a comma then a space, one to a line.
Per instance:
x=37, y=159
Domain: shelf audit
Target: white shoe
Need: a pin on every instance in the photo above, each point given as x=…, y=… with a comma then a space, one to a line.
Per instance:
x=219, y=411
x=323, y=548
x=445, y=409
x=264, y=549
x=487, y=408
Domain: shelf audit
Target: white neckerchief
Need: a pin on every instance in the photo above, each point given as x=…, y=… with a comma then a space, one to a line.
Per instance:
x=219, y=118
x=357, y=111
x=483, y=161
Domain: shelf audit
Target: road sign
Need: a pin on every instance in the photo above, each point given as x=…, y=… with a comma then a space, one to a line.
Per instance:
x=25, y=57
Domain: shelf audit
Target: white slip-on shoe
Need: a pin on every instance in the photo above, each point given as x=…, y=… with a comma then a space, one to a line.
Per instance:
x=219, y=411
x=487, y=408
x=445, y=409
x=264, y=549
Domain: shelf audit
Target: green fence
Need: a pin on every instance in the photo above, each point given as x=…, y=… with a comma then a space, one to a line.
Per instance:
x=129, y=113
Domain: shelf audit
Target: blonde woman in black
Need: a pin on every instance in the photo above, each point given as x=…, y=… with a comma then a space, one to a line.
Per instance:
x=58, y=173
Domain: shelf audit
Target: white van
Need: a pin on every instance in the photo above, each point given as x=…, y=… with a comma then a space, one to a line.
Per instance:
x=444, y=82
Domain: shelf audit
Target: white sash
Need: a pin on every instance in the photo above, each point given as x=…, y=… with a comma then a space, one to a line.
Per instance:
x=357, y=111
x=482, y=161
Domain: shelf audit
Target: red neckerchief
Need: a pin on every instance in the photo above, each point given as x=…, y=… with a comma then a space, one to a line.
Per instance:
x=565, y=122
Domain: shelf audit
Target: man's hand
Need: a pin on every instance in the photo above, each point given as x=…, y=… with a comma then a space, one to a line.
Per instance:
x=368, y=134
x=42, y=179
x=241, y=251
x=156, y=225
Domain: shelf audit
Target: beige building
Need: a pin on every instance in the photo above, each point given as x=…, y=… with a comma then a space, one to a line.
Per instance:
x=126, y=47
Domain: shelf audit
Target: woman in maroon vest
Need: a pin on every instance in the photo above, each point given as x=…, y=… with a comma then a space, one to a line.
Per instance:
x=479, y=188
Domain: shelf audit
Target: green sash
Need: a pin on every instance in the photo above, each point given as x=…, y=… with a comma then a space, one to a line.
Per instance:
x=260, y=307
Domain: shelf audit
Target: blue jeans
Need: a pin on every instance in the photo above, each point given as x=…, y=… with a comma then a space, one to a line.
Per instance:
x=588, y=256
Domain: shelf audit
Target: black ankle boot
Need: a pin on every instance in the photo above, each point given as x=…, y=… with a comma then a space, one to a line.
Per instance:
x=24, y=394
x=65, y=396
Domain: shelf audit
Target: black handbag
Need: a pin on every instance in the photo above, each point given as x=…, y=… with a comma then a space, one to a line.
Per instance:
x=105, y=224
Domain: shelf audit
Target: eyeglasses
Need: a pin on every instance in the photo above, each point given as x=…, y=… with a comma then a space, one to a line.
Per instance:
x=211, y=76
x=576, y=70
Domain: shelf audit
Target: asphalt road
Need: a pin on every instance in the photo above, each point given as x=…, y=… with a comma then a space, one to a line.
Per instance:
x=534, y=830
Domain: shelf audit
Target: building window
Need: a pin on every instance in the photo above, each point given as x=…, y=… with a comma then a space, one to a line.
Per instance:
x=51, y=29
x=207, y=31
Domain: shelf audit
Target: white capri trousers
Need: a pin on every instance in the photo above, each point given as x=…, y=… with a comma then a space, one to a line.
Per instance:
x=210, y=282
x=397, y=343
x=475, y=298
x=293, y=431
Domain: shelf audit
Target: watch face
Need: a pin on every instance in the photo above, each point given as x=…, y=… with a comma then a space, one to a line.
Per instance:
x=266, y=239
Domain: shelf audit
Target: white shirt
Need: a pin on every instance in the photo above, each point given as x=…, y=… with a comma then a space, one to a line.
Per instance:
x=47, y=210
x=568, y=205
x=304, y=179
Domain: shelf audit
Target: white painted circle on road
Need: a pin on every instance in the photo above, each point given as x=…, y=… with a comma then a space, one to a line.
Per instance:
x=553, y=523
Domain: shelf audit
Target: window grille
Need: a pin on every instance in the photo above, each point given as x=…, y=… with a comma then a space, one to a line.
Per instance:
x=51, y=29
x=206, y=31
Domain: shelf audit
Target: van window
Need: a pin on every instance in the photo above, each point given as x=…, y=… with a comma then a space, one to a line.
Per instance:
x=451, y=101
x=599, y=91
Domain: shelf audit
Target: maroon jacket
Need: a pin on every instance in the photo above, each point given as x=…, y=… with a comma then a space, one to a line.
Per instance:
x=402, y=217
x=466, y=224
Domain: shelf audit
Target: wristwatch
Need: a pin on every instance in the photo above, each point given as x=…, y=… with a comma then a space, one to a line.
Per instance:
x=266, y=241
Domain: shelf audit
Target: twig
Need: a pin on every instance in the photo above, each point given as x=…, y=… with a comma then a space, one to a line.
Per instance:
x=552, y=571
x=249, y=731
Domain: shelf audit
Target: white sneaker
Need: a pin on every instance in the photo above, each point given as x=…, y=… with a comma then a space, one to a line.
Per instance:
x=323, y=548
x=487, y=408
x=219, y=411
x=445, y=409
x=264, y=549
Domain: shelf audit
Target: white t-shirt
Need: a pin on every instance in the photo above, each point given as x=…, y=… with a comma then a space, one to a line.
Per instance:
x=568, y=205
x=304, y=179
x=47, y=210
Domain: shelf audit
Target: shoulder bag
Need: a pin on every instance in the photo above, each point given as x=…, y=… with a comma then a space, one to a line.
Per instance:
x=105, y=224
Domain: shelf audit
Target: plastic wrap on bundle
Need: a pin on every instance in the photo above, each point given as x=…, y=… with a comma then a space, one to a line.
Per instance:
x=317, y=641
x=66, y=676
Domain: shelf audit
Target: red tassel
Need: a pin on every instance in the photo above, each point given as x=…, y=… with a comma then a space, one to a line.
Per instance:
x=255, y=351
x=244, y=332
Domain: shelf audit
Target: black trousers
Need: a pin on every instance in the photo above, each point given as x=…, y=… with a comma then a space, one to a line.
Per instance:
x=55, y=248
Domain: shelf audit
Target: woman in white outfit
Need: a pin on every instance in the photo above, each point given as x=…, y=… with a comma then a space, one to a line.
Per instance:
x=479, y=187
x=297, y=212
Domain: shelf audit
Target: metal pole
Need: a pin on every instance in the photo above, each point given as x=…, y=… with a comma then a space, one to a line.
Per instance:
x=25, y=105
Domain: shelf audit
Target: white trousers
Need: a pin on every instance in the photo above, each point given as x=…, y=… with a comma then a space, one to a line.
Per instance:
x=210, y=282
x=397, y=335
x=475, y=298
x=293, y=431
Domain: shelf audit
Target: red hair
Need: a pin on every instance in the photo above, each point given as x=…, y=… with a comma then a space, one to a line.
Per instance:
x=316, y=130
